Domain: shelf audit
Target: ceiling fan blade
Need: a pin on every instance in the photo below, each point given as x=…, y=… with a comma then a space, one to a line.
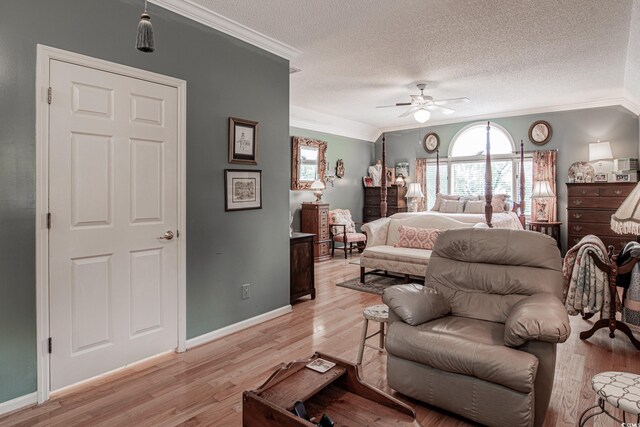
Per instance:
x=440, y=109
x=409, y=111
x=400, y=104
x=452, y=101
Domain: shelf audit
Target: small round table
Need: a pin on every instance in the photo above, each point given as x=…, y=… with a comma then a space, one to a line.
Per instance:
x=619, y=389
x=550, y=228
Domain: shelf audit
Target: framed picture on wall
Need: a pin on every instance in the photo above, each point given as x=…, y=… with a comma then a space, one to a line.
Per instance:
x=242, y=189
x=243, y=141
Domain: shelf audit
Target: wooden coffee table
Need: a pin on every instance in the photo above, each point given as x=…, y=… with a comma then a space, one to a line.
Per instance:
x=339, y=392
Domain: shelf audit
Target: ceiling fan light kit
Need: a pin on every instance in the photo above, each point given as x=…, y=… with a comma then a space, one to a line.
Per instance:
x=422, y=105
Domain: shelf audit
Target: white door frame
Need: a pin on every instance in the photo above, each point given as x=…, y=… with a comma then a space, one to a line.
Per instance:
x=44, y=56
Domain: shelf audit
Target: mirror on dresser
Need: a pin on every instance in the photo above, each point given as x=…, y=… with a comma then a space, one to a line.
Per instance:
x=307, y=162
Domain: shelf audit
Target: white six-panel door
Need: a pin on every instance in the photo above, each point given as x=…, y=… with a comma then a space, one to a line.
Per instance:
x=113, y=193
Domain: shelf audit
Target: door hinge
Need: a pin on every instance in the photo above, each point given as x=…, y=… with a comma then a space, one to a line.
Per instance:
x=177, y=233
x=49, y=220
x=50, y=345
x=49, y=90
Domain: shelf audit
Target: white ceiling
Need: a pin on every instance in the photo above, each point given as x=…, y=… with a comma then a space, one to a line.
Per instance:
x=506, y=56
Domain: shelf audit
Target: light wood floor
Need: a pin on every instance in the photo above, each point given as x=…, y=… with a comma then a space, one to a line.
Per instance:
x=204, y=385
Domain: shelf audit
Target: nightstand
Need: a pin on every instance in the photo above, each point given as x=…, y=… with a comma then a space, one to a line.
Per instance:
x=550, y=228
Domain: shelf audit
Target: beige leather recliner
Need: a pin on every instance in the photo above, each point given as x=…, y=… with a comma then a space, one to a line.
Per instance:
x=479, y=339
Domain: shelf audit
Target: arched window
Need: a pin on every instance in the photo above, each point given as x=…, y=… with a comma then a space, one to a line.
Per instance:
x=472, y=141
x=462, y=173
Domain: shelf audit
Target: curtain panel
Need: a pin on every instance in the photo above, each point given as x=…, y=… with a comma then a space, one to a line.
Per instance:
x=421, y=178
x=544, y=169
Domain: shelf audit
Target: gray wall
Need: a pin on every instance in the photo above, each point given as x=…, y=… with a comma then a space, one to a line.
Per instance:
x=347, y=192
x=572, y=133
x=224, y=249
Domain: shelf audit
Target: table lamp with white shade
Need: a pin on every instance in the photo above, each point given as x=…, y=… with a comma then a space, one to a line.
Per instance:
x=414, y=192
x=599, y=151
x=318, y=186
x=541, y=190
x=626, y=220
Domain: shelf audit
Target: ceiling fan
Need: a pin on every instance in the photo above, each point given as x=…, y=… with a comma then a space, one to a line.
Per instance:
x=422, y=105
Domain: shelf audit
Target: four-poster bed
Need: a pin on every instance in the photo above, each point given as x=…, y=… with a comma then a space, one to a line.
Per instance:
x=505, y=221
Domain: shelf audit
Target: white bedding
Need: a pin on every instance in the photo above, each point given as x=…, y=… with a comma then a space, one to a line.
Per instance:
x=499, y=220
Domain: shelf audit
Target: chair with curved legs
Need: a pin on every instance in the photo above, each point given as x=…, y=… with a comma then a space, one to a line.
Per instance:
x=343, y=230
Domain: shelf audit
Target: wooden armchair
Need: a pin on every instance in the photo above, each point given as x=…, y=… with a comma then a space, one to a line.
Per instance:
x=343, y=230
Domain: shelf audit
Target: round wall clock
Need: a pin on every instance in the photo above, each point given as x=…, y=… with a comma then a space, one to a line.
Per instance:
x=431, y=142
x=540, y=132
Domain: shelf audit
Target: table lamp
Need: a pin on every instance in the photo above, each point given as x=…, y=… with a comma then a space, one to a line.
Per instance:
x=599, y=151
x=626, y=220
x=318, y=186
x=541, y=190
x=414, y=192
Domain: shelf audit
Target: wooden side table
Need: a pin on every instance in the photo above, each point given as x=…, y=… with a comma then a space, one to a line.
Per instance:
x=550, y=228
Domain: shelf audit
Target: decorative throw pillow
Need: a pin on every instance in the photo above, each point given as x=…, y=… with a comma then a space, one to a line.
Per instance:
x=417, y=238
x=440, y=197
x=498, y=202
x=474, y=207
x=341, y=216
x=452, y=206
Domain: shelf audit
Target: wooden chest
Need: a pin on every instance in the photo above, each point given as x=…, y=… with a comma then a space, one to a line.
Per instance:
x=396, y=202
x=315, y=220
x=589, y=210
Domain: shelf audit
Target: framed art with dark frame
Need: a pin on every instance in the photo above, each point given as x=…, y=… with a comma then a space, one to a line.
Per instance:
x=243, y=141
x=242, y=189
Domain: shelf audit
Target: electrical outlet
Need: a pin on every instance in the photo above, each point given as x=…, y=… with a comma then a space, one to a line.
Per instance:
x=246, y=291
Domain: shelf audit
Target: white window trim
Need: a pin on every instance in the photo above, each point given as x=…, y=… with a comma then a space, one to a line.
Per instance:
x=476, y=124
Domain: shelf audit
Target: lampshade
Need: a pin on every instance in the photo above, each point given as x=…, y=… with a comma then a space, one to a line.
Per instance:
x=626, y=220
x=317, y=185
x=542, y=189
x=600, y=151
x=414, y=190
x=421, y=115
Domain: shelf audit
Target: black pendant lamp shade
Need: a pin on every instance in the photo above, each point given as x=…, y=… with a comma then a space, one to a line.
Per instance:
x=144, y=41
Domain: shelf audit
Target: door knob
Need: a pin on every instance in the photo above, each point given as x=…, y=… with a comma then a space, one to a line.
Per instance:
x=167, y=236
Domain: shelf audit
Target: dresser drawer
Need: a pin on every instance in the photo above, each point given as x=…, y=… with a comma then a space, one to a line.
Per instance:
x=371, y=211
x=371, y=200
x=585, y=215
x=584, y=191
x=324, y=248
x=594, y=202
x=590, y=228
x=616, y=191
x=617, y=242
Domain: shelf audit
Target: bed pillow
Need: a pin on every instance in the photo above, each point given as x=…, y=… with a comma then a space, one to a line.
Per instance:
x=474, y=207
x=417, y=238
x=452, y=206
x=498, y=202
x=440, y=197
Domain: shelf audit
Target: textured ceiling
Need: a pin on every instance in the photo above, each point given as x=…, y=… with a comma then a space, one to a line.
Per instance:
x=504, y=55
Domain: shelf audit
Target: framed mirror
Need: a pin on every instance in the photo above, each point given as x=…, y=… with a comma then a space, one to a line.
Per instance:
x=307, y=162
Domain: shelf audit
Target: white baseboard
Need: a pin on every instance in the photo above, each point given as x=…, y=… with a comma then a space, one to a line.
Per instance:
x=228, y=330
x=18, y=403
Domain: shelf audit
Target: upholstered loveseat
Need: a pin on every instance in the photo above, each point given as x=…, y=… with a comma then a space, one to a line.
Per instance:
x=479, y=338
x=382, y=234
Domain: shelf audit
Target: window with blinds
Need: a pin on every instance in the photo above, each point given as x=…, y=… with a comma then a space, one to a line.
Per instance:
x=466, y=167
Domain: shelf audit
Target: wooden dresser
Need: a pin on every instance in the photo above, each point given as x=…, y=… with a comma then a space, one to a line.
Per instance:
x=301, y=270
x=589, y=210
x=315, y=220
x=396, y=202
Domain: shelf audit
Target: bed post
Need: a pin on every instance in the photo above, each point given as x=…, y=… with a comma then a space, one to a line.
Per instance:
x=521, y=215
x=488, y=194
x=437, y=172
x=383, y=181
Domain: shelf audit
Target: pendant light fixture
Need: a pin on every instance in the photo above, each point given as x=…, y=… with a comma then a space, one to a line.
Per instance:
x=144, y=41
x=422, y=115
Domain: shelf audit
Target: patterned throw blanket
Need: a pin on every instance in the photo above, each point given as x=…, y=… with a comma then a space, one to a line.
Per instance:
x=586, y=287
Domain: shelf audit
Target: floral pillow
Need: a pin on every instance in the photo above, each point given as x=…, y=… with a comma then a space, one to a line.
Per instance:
x=474, y=207
x=417, y=238
x=341, y=216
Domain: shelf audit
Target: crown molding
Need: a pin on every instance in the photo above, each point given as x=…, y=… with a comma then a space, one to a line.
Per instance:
x=304, y=118
x=621, y=101
x=195, y=12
